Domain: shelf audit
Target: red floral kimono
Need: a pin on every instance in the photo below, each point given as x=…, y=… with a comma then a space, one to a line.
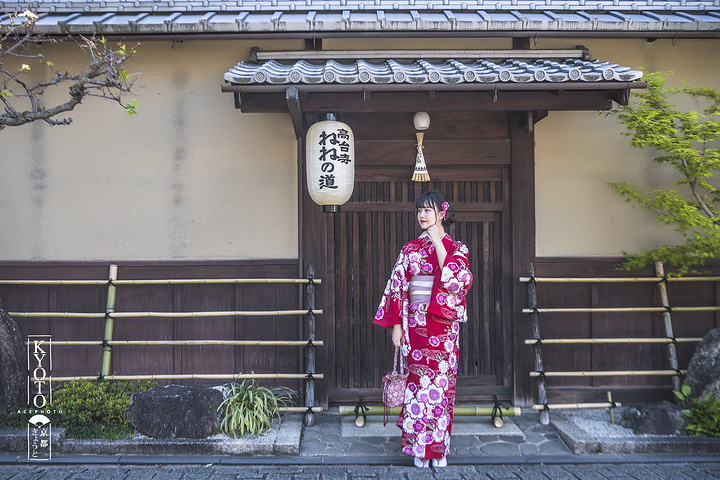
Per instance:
x=429, y=302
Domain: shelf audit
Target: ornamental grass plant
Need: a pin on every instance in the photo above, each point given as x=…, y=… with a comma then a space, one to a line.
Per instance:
x=250, y=409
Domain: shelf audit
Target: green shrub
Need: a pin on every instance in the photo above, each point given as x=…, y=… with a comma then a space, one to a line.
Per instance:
x=703, y=418
x=14, y=419
x=96, y=409
x=251, y=408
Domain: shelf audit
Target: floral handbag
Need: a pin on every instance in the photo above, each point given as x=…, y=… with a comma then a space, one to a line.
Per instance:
x=394, y=386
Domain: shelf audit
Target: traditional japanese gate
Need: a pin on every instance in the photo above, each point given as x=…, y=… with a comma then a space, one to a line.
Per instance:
x=369, y=232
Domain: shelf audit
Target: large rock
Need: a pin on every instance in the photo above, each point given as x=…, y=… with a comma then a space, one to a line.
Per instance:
x=703, y=374
x=663, y=418
x=176, y=411
x=13, y=364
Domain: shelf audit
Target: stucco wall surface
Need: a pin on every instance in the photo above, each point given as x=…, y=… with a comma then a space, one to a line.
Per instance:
x=577, y=153
x=190, y=177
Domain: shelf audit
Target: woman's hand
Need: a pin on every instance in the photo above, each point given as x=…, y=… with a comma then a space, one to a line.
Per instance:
x=397, y=335
x=436, y=238
x=435, y=235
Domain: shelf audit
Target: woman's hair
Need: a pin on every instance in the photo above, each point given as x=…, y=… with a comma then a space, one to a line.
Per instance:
x=435, y=199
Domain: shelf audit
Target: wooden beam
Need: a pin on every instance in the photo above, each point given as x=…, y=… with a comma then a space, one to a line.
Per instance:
x=511, y=101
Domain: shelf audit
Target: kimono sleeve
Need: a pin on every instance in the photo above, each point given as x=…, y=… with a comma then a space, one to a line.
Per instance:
x=451, y=286
x=393, y=304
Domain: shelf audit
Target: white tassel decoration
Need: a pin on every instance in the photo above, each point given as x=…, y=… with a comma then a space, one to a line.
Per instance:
x=420, y=174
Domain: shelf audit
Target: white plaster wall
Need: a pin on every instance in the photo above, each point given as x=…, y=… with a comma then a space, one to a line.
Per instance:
x=189, y=177
x=577, y=153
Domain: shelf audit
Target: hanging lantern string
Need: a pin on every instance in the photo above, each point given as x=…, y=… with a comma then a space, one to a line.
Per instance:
x=420, y=174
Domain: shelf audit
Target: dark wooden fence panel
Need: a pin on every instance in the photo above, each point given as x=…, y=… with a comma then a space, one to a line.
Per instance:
x=599, y=325
x=129, y=360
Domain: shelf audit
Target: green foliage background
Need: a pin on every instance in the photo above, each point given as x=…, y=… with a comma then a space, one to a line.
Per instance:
x=688, y=142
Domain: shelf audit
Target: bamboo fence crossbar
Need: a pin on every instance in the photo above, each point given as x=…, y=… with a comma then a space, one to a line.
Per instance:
x=459, y=411
x=557, y=406
x=194, y=376
x=616, y=279
x=621, y=309
x=610, y=373
x=231, y=313
x=300, y=409
x=264, y=343
x=189, y=281
x=561, y=341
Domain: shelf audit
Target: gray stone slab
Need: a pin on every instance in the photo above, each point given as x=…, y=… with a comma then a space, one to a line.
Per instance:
x=582, y=441
x=462, y=426
x=283, y=439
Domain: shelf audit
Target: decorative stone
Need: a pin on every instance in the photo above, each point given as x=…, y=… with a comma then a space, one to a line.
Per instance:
x=662, y=418
x=703, y=374
x=176, y=411
x=13, y=364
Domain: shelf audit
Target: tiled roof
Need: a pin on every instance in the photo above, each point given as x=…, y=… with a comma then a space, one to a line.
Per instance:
x=275, y=16
x=449, y=71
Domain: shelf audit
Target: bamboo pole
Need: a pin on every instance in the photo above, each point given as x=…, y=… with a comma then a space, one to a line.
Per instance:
x=109, y=310
x=617, y=279
x=667, y=325
x=460, y=411
x=591, y=280
x=199, y=281
x=608, y=373
x=262, y=343
x=595, y=310
x=310, y=350
x=621, y=310
x=561, y=341
x=299, y=409
x=537, y=349
x=193, y=376
x=575, y=406
x=245, y=313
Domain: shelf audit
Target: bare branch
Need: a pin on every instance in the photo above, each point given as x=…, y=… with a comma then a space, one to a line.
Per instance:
x=103, y=76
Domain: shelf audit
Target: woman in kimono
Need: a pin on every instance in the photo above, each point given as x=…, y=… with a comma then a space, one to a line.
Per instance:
x=424, y=304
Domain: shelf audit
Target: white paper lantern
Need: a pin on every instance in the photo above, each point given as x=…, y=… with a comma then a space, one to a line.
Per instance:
x=330, y=163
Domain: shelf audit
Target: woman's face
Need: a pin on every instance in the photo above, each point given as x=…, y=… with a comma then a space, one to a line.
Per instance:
x=427, y=216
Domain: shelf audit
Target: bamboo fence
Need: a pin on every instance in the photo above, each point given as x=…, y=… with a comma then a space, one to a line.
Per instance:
x=668, y=339
x=110, y=315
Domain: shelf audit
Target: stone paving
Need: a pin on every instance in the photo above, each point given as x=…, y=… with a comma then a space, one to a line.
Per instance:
x=631, y=471
x=523, y=436
x=334, y=449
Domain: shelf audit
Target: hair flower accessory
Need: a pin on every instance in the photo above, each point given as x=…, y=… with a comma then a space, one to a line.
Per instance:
x=445, y=206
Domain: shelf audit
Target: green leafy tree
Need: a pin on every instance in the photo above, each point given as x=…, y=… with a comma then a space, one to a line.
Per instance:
x=688, y=142
x=104, y=75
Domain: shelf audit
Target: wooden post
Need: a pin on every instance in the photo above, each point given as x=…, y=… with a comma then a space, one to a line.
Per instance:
x=537, y=348
x=109, y=309
x=310, y=350
x=667, y=322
